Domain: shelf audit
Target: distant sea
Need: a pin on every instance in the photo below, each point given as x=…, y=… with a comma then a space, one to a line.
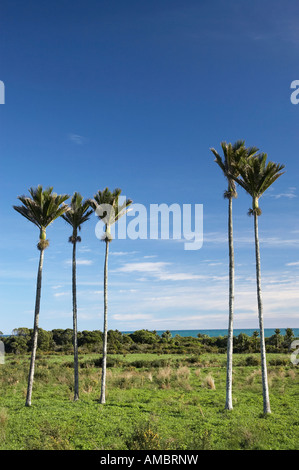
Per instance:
x=214, y=333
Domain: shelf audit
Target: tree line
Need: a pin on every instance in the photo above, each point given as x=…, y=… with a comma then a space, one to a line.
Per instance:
x=60, y=341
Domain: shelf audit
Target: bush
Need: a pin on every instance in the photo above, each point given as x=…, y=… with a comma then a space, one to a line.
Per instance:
x=252, y=361
x=111, y=362
x=144, y=437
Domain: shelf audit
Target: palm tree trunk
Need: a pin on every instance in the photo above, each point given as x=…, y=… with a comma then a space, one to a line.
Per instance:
x=229, y=367
x=75, y=332
x=35, y=328
x=104, y=360
x=266, y=401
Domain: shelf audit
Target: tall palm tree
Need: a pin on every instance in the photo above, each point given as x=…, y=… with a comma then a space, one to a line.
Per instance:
x=232, y=153
x=256, y=176
x=108, y=209
x=42, y=208
x=77, y=214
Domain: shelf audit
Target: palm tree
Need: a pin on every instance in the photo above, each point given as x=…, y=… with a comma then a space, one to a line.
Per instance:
x=109, y=210
x=256, y=176
x=77, y=214
x=229, y=166
x=42, y=208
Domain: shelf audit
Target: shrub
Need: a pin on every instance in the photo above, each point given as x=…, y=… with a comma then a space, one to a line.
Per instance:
x=279, y=361
x=252, y=361
x=144, y=437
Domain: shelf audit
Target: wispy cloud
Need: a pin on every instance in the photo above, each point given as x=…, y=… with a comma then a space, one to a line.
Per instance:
x=61, y=294
x=246, y=239
x=123, y=253
x=289, y=193
x=188, y=304
x=84, y=262
x=294, y=263
x=76, y=139
x=160, y=270
x=84, y=249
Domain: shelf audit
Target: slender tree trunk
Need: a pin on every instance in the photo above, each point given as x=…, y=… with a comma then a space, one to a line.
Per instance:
x=104, y=360
x=75, y=332
x=266, y=401
x=35, y=328
x=229, y=369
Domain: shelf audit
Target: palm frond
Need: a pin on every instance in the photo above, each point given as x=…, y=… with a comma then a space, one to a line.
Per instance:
x=233, y=154
x=43, y=207
x=256, y=175
x=78, y=212
x=105, y=199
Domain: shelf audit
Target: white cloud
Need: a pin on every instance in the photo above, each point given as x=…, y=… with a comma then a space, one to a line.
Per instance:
x=84, y=262
x=122, y=253
x=84, y=249
x=146, y=267
x=295, y=263
x=199, y=306
x=267, y=242
x=76, y=138
x=125, y=291
x=290, y=194
x=161, y=272
x=158, y=270
x=61, y=294
x=178, y=276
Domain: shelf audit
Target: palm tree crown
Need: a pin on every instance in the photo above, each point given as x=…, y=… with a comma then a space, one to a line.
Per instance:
x=107, y=207
x=77, y=214
x=256, y=175
x=42, y=208
x=229, y=163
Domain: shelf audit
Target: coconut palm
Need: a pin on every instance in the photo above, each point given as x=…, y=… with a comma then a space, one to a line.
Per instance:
x=232, y=153
x=78, y=213
x=109, y=209
x=256, y=176
x=41, y=208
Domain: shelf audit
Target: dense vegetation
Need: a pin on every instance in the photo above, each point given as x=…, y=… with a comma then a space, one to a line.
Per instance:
x=141, y=341
x=155, y=402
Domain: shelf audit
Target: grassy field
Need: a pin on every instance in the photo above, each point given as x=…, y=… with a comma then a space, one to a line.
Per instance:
x=167, y=402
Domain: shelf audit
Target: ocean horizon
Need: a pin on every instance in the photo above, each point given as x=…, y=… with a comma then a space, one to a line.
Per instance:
x=213, y=332
x=221, y=332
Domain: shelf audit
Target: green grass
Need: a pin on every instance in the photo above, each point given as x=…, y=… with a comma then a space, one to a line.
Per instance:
x=164, y=402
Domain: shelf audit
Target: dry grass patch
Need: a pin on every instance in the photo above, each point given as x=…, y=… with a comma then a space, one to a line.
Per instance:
x=163, y=377
x=209, y=382
x=3, y=423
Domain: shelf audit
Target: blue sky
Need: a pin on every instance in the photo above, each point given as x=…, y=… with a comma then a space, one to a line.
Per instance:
x=133, y=95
